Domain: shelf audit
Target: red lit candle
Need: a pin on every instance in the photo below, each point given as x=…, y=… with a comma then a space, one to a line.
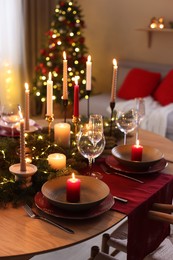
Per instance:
x=73, y=189
x=76, y=98
x=137, y=152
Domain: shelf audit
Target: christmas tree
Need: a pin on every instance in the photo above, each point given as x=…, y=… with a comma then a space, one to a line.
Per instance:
x=65, y=34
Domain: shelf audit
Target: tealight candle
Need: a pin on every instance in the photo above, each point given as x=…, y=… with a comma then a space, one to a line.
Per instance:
x=62, y=134
x=57, y=161
x=73, y=189
x=137, y=152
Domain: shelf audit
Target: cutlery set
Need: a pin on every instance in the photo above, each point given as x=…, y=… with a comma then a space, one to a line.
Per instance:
x=32, y=214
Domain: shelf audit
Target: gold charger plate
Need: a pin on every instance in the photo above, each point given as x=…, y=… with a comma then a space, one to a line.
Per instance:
x=93, y=192
x=150, y=156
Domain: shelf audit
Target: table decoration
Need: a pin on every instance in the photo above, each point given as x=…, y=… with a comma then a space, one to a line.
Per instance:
x=88, y=82
x=116, y=166
x=23, y=171
x=113, y=92
x=76, y=118
x=47, y=208
x=150, y=156
x=62, y=134
x=49, y=115
x=57, y=161
x=40, y=146
x=73, y=189
x=137, y=152
x=90, y=195
x=27, y=107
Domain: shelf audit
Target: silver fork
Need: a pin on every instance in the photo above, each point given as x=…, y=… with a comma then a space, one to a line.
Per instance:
x=32, y=214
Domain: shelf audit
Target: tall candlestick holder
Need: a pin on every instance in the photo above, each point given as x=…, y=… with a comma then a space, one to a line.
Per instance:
x=49, y=119
x=24, y=178
x=65, y=104
x=88, y=102
x=75, y=121
x=112, y=106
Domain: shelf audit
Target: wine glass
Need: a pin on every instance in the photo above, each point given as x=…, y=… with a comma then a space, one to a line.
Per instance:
x=10, y=116
x=140, y=113
x=96, y=121
x=126, y=121
x=90, y=144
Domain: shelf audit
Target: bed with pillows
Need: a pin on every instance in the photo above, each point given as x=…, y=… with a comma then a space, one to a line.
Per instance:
x=153, y=82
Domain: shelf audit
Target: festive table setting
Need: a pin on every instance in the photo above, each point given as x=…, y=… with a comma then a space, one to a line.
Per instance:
x=79, y=170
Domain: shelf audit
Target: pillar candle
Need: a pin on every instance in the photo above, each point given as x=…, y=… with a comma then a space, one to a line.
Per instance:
x=73, y=189
x=49, y=95
x=114, y=81
x=22, y=146
x=76, y=98
x=57, y=161
x=137, y=152
x=27, y=106
x=65, y=92
x=62, y=134
x=88, y=73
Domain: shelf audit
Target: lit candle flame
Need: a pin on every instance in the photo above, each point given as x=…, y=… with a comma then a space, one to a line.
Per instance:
x=137, y=142
x=76, y=78
x=26, y=86
x=115, y=63
x=50, y=76
x=64, y=55
x=89, y=58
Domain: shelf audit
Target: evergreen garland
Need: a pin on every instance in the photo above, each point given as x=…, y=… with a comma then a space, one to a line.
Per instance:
x=39, y=145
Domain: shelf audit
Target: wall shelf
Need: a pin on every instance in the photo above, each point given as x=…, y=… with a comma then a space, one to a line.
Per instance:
x=151, y=31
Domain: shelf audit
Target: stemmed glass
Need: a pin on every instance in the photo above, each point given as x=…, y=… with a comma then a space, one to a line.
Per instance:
x=140, y=113
x=10, y=116
x=91, y=143
x=126, y=121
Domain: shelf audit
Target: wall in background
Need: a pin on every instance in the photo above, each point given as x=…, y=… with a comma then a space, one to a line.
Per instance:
x=111, y=32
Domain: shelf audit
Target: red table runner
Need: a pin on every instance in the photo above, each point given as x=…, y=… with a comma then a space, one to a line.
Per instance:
x=144, y=235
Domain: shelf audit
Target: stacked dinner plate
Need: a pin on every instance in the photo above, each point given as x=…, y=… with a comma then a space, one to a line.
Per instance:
x=95, y=198
x=152, y=160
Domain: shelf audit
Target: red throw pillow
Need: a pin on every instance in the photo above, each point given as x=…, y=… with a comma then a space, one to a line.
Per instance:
x=164, y=92
x=139, y=83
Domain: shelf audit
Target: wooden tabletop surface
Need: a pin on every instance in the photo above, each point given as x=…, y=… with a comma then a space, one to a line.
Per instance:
x=23, y=237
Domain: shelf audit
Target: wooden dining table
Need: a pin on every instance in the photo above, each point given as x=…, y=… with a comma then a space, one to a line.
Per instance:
x=23, y=237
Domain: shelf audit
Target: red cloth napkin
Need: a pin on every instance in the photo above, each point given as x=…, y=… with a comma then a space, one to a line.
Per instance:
x=144, y=235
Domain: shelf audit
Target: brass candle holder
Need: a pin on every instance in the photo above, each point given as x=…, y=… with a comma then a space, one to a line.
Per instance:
x=112, y=106
x=75, y=121
x=49, y=119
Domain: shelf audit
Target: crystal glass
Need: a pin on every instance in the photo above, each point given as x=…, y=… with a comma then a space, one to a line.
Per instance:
x=96, y=121
x=140, y=113
x=90, y=144
x=10, y=116
x=126, y=121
